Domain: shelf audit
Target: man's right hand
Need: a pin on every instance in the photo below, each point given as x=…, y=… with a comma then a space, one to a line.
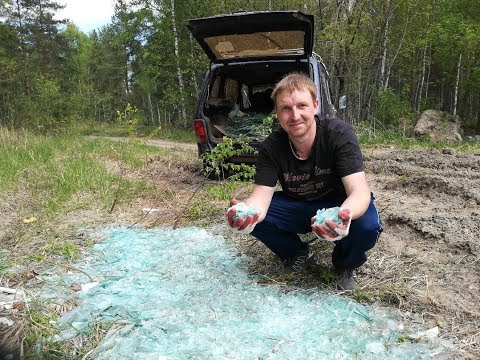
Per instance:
x=333, y=231
x=239, y=220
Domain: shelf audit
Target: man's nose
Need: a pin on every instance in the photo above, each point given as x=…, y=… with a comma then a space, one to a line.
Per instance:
x=295, y=113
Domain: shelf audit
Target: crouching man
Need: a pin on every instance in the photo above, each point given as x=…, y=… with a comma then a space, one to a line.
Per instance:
x=319, y=165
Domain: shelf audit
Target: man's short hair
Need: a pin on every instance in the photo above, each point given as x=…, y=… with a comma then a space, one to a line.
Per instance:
x=295, y=81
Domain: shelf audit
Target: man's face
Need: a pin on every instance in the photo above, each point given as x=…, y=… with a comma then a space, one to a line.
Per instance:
x=296, y=112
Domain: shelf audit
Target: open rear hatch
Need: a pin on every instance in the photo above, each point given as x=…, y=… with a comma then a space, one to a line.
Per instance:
x=254, y=36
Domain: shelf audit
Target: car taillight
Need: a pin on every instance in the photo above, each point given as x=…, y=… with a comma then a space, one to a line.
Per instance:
x=200, y=132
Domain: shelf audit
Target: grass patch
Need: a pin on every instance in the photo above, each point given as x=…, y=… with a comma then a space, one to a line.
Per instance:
x=4, y=262
x=51, y=177
x=53, y=169
x=221, y=191
x=361, y=296
x=21, y=151
x=325, y=275
x=132, y=153
x=210, y=203
x=397, y=139
x=203, y=213
x=98, y=128
x=402, y=339
x=65, y=249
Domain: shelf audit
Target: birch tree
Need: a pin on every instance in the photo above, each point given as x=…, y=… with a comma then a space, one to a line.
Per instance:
x=457, y=82
x=179, y=70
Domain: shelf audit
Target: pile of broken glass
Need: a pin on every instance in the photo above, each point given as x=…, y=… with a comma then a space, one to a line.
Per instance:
x=185, y=293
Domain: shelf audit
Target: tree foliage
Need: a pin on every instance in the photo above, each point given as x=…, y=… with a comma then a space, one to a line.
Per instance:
x=392, y=58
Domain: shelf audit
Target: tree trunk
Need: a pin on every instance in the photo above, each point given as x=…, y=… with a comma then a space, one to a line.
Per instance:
x=429, y=68
x=389, y=69
x=26, y=76
x=192, y=52
x=384, y=55
x=150, y=108
x=40, y=42
x=320, y=15
x=442, y=94
x=457, y=81
x=179, y=71
x=359, y=105
x=127, y=82
x=104, y=112
x=422, y=79
x=159, y=116
x=349, y=15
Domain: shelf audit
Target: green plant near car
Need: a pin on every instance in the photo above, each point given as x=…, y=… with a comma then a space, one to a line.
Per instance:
x=217, y=162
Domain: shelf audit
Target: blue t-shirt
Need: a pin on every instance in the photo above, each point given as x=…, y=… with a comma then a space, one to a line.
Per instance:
x=335, y=154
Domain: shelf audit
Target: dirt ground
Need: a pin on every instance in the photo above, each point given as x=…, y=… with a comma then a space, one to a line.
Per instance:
x=429, y=252
x=427, y=261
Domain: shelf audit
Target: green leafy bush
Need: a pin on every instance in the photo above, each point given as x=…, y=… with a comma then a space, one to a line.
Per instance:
x=130, y=119
x=216, y=162
x=390, y=107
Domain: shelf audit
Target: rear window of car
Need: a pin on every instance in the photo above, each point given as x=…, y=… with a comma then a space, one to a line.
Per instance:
x=264, y=44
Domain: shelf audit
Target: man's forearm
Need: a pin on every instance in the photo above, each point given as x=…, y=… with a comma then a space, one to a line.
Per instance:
x=357, y=202
x=260, y=199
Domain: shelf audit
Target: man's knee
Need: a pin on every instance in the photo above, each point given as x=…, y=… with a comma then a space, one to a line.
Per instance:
x=369, y=222
x=366, y=226
x=366, y=231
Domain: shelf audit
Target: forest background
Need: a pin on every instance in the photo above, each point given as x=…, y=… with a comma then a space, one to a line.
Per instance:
x=392, y=58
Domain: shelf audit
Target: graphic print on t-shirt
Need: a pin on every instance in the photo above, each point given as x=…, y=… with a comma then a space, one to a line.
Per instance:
x=308, y=185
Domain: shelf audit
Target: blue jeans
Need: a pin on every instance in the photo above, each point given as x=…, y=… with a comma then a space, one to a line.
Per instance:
x=287, y=217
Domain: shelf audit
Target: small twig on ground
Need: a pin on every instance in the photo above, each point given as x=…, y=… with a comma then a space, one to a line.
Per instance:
x=182, y=210
x=384, y=208
x=139, y=219
x=70, y=267
x=88, y=354
x=113, y=204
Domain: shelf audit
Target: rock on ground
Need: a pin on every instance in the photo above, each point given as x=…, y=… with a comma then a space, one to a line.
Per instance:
x=438, y=126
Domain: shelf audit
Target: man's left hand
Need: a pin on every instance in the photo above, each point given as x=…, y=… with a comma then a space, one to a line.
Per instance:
x=333, y=231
